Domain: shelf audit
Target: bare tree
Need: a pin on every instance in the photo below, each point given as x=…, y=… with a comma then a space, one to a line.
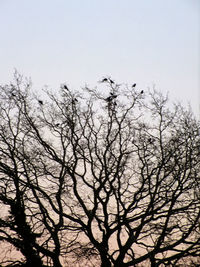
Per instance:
x=96, y=178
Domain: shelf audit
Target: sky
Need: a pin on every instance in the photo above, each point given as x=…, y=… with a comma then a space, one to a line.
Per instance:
x=148, y=42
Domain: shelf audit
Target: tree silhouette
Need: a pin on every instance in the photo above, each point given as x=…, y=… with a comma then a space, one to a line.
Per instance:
x=85, y=181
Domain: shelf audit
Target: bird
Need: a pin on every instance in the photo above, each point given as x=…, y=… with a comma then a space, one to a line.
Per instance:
x=134, y=85
x=40, y=102
x=57, y=124
x=65, y=87
x=111, y=81
x=142, y=92
x=110, y=98
x=104, y=80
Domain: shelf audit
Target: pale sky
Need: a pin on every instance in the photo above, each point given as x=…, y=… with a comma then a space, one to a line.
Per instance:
x=80, y=41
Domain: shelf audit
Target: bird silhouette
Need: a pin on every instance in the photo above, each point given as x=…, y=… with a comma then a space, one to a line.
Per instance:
x=40, y=102
x=134, y=85
x=65, y=87
x=110, y=98
x=111, y=81
x=142, y=92
x=104, y=80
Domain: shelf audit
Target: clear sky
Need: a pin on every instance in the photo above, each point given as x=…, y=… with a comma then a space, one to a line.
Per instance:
x=80, y=41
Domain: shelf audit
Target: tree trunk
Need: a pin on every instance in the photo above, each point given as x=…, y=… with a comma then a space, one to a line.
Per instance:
x=105, y=261
x=56, y=262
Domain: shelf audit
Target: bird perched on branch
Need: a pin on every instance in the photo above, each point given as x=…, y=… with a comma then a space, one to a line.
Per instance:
x=111, y=97
x=134, y=85
x=142, y=92
x=65, y=87
x=104, y=80
x=40, y=102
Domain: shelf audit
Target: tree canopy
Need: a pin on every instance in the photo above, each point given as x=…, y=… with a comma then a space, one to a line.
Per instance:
x=106, y=176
